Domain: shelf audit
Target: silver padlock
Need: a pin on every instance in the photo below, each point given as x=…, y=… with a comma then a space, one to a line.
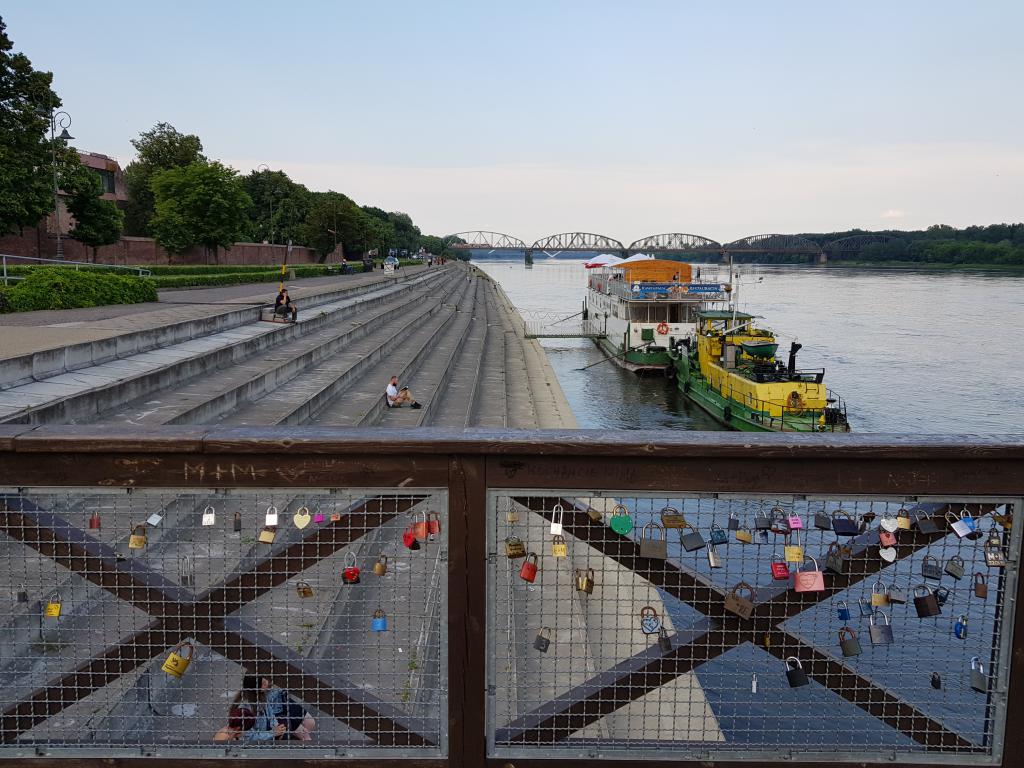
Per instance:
x=963, y=525
x=881, y=634
x=955, y=567
x=713, y=558
x=979, y=680
x=653, y=542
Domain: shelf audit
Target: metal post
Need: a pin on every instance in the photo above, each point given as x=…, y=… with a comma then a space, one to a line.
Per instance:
x=65, y=121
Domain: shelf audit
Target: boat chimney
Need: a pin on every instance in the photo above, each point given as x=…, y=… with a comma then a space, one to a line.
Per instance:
x=793, y=349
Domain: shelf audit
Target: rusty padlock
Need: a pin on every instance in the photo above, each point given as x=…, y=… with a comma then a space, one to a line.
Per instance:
x=529, y=570
x=980, y=586
x=303, y=589
x=671, y=518
x=381, y=566
x=741, y=606
x=956, y=567
x=585, y=580
x=995, y=557
x=137, y=540
x=514, y=547
x=237, y=522
x=925, y=602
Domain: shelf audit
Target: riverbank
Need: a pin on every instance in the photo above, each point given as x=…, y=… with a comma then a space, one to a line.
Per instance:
x=933, y=266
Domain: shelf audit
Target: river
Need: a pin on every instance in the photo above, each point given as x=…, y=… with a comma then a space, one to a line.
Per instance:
x=910, y=351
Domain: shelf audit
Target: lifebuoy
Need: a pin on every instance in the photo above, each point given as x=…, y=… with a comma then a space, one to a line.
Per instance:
x=663, y=328
x=794, y=400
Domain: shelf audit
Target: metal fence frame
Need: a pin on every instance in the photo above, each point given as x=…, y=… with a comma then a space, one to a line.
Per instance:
x=472, y=462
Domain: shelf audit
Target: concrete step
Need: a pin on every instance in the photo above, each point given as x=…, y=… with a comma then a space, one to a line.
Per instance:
x=490, y=406
x=216, y=393
x=87, y=392
x=455, y=408
x=518, y=397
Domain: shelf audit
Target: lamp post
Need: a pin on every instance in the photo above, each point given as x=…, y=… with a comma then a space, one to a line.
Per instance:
x=63, y=119
x=270, y=197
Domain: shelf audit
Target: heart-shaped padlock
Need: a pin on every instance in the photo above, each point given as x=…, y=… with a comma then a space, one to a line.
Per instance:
x=649, y=621
x=301, y=517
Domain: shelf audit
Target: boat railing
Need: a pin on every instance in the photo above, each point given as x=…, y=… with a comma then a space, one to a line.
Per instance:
x=670, y=291
x=776, y=413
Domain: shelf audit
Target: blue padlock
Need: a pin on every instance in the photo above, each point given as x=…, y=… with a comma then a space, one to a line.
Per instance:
x=960, y=628
x=380, y=621
x=649, y=621
x=844, y=610
x=718, y=534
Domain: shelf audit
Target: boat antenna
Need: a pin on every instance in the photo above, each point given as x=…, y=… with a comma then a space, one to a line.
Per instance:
x=735, y=292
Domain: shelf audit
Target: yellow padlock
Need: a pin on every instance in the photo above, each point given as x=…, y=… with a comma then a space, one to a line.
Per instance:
x=267, y=535
x=53, y=606
x=381, y=566
x=903, y=519
x=794, y=553
x=558, y=547
x=176, y=664
x=138, y=538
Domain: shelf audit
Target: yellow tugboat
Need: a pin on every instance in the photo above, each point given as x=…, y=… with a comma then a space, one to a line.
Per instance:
x=729, y=368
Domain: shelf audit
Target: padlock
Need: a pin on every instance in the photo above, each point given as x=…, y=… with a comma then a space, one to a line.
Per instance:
x=335, y=517
x=558, y=547
x=837, y=557
x=843, y=610
x=889, y=524
x=271, y=518
x=718, y=534
x=865, y=607
x=863, y=520
x=925, y=602
x=379, y=623
x=434, y=524
x=879, y=595
x=903, y=519
x=886, y=538
x=936, y=681
x=955, y=567
x=595, y=515
x=793, y=553
x=795, y=674
x=178, y=660
x=848, y=642
x=925, y=524
x=995, y=557
x=888, y=554
x=930, y=568
x=744, y=536
x=691, y=541
x=303, y=589
x=780, y=521
x=979, y=680
x=381, y=566
x=652, y=542
x=809, y=581
x=237, y=523
x=753, y=682
x=762, y=520
x=714, y=561
x=22, y=594
x=514, y=548
x=585, y=580
x=980, y=586
x=734, y=521
x=53, y=606
x=137, y=540
x=843, y=524
x=621, y=521
x=94, y=521
x=209, y=516
x=350, y=573
x=897, y=594
x=941, y=595
x=511, y=514
x=528, y=572
x=780, y=569
x=881, y=634
x=741, y=606
x=267, y=535
x=795, y=522
x=186, y=575
x=557, y=516
x=1004, y=518
x=319, y=517
x=664, y=641
x=155, y=519
x=961, y=525
x=409, y=541
x=823, y=520
x=649, y=621
x=671, y=518
x=960, y=627
x=421, y=526
x=543, y=640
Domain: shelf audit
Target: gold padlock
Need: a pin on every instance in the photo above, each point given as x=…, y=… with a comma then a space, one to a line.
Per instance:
x=381, y=566
x=514, y=548
x=595, y=515
x=304, y=589
x=585, y=581
x=267, y=535
x=176, y=664
x=558, y=547
x=793, y=553
x=53, y=606
x=511, y=514
x=903, y=519
x=744, y=536
x=138, y=538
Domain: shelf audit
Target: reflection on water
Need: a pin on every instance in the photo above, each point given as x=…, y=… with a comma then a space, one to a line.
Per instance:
x=910, y=351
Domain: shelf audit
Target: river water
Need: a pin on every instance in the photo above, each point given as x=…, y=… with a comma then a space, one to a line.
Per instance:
x=910, y=351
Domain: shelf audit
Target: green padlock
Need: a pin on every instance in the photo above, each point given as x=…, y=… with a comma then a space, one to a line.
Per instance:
x=622, y=521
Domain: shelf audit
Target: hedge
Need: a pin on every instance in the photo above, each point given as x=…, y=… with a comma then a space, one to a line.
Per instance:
x=62, y=288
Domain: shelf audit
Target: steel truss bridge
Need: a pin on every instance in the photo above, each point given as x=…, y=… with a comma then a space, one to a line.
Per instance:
x=666, y=243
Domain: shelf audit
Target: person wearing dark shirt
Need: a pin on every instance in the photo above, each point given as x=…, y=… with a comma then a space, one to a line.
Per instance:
x=283, y=305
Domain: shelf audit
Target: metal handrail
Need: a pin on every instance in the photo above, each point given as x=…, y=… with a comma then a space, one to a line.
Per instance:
x=140, y=271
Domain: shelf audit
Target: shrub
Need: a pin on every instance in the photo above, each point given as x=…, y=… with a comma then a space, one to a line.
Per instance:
x=62, y=288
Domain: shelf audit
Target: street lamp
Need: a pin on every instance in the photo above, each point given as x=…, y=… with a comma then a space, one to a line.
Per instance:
x=270, y=197
x=63, y=119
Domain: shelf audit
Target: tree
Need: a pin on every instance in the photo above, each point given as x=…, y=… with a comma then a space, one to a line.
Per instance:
x=290, y=203
x=161, y=148
x=200, y=204
x=334, y=218
x=26, y=181
x=97, y=222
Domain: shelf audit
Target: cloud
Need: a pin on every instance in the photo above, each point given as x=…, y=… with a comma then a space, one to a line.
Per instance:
x=893, y=213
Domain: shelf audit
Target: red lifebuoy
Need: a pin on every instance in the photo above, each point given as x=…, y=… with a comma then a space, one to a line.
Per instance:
x=663, y=328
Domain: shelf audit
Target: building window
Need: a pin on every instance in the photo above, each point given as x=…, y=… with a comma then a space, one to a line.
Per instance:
x=107, y=180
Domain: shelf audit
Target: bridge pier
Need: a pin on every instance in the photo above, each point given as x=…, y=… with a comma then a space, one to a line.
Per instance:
x=528, y=257
x=822, y=258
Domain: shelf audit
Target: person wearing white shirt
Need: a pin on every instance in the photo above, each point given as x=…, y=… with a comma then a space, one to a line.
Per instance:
x=397, y=397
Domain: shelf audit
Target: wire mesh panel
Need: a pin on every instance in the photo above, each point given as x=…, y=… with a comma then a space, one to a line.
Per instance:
x=720, y=627
x=223, y=623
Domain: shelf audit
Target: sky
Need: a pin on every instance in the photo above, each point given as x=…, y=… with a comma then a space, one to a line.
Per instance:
x=722, y=119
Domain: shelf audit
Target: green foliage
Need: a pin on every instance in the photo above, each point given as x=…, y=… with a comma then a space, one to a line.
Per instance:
x=26, y=181
x=938, y=244
x=273, y=190
x=200, y=204
x=97, y=222
x=333, y=217
x=63, y=288
x=159, y=149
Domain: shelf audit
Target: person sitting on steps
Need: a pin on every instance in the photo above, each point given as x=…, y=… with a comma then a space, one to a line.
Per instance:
x=283, y=305
x=396, y=397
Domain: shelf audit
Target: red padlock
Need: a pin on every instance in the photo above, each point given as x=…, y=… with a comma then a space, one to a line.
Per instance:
x=433, y=524
x=886, y=538
x=94, y=521
x=421, y=528
x=409, y=538
x=350, y=574
x=529, y=570
x=780, y=569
